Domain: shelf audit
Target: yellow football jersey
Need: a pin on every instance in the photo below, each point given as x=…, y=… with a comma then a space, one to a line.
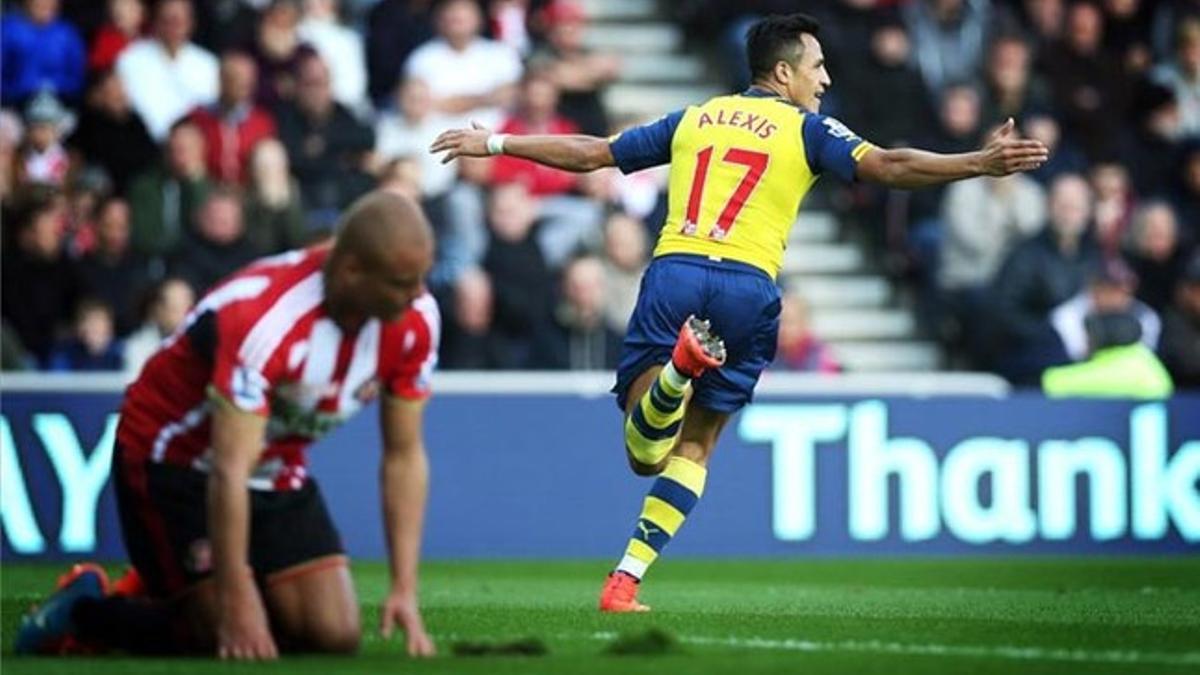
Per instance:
x=740, y=166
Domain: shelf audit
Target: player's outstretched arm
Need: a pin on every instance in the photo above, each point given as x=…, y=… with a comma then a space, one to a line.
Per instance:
x=404, y=478
x=907, y=168
x=574, y=152
x=237, y=440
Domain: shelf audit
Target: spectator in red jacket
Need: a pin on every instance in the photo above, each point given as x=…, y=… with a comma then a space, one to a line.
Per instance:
x=537, y=113
x=234, y=124
x=124, y=25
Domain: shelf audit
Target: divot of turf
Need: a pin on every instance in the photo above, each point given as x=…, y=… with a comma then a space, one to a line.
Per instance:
x=530, y=646
x=645, y=643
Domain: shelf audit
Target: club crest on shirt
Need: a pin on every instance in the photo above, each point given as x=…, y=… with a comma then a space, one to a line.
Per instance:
x=199, y=557
x=368, y=391
x=838, y=130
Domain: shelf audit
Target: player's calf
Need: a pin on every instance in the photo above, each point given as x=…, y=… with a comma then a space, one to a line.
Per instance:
x=652, y=425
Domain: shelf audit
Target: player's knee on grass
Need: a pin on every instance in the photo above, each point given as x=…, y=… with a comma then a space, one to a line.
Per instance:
x=333, y=635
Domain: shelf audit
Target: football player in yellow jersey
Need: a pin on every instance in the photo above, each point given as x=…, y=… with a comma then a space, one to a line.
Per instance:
x=740, y=165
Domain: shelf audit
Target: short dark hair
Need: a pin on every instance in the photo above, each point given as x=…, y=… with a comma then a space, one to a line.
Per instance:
x=777, y=38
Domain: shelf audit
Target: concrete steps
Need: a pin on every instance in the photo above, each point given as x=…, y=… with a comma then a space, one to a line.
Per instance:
x=666, y=68
x=813, y=226
x=650, y=101
x=642, y=36
x=857, y=290
x=885, y=356
x=620, y=10
x=840, y=324
x=813, y=258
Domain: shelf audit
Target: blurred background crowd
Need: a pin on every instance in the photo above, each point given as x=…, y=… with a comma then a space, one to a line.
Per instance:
x=147, y=149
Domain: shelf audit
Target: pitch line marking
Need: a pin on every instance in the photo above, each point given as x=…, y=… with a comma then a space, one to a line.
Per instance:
x=930, y=649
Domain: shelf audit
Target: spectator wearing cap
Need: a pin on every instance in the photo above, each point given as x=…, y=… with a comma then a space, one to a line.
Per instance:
x=1110, y=289
x=87, y=190
x=234, y=124
x=1040, y=274
x=1156, y=254
x=328, y=147
x=124, y=25
x=1180, y=345
x=340, y=47
x=1182, y=76
x=165, y=198
x=111, y=135
x=166, y=75
x=40, y=52
x=580, y=73
x=93, y=345
x=1119, y=364
x=43, y=158
x=472, y=78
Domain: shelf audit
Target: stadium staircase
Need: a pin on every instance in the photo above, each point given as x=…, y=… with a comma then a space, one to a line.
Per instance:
x=853, y=307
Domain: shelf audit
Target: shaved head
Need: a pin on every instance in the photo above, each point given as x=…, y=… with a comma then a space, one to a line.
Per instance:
x=379, y=224
x=381, y=254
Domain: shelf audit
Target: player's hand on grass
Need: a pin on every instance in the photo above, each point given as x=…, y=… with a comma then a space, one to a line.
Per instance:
x=1005, y=153
x=400, y=609
x=462, y=142
x=242, y=630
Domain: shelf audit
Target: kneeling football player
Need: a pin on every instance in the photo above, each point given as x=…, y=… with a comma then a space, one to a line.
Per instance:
x=233, y=551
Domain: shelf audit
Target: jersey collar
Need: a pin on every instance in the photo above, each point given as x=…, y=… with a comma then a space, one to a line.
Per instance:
x=759, y=92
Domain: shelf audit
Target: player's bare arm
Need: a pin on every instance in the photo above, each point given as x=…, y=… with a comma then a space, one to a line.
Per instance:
x=907, y=168
x=573, y=152
x=403, y=477
x=237, y=440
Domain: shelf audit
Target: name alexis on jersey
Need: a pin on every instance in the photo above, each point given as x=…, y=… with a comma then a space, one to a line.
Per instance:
x=756, y=123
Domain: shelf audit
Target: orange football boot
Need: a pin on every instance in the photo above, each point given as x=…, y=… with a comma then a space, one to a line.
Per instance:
x=619, y=594
x=697, y=348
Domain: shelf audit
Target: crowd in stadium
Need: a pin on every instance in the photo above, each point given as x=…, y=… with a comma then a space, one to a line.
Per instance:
x=147, y=149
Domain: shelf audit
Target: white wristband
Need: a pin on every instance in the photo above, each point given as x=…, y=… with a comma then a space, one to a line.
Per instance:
x=495, y=144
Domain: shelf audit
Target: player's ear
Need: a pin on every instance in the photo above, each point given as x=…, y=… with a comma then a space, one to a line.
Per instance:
x=783, y=72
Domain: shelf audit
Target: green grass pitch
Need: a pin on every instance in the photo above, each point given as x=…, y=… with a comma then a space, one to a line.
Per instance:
x=1021, y=615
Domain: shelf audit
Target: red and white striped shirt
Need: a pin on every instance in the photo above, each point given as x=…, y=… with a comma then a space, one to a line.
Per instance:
x=263, y=340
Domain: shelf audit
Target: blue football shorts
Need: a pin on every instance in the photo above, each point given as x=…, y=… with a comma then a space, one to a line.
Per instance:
x=740, y=301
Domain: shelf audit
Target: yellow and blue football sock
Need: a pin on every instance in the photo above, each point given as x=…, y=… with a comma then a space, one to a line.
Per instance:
x=653, y=425
x=671, y=499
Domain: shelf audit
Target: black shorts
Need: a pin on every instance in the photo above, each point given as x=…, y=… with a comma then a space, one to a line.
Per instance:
x=164, y=519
